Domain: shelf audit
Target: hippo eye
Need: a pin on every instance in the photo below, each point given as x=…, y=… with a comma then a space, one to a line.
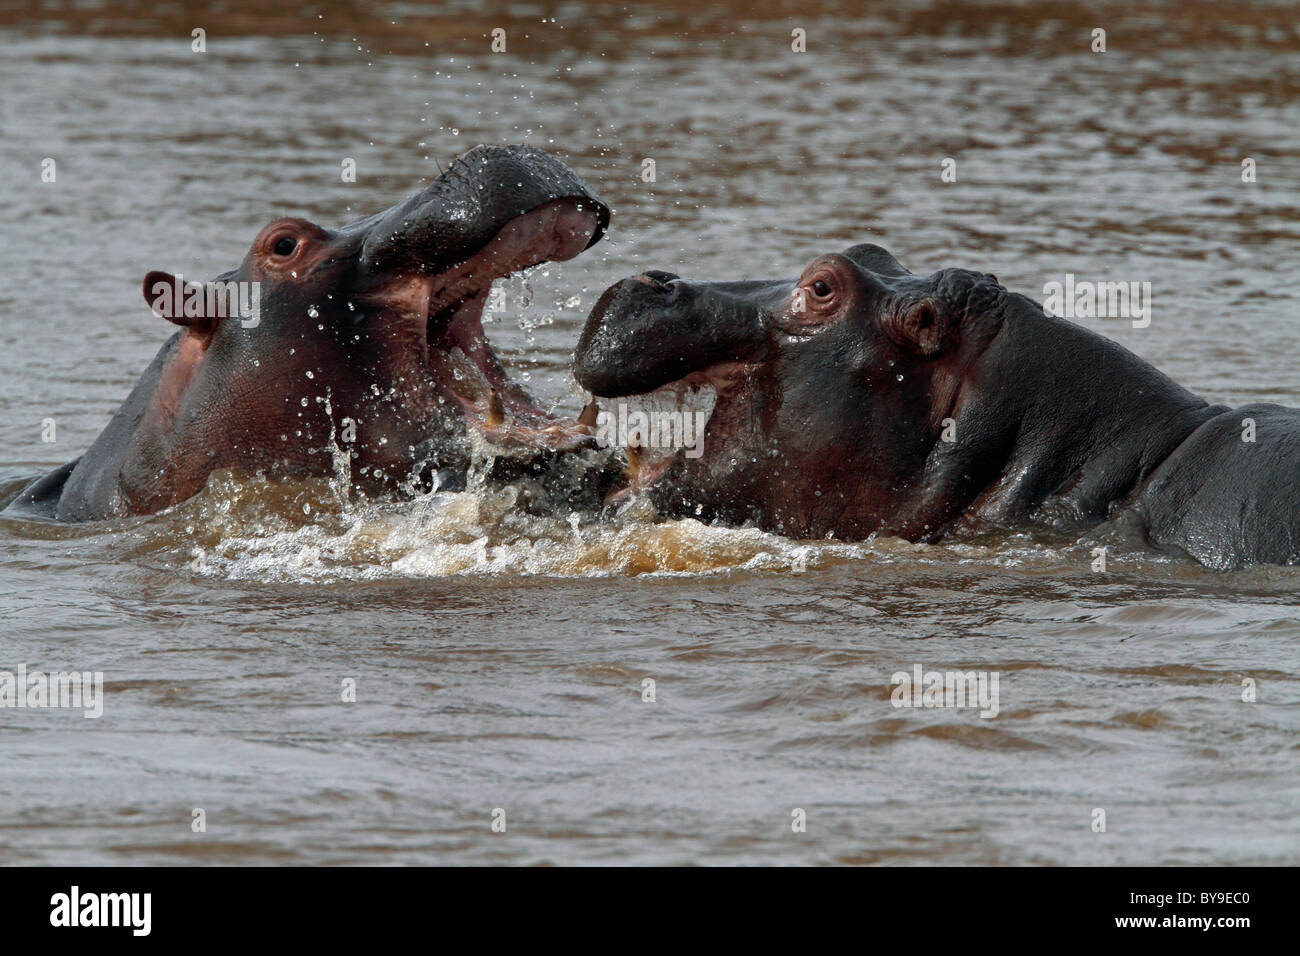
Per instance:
x=820, y=288
x=284, y=246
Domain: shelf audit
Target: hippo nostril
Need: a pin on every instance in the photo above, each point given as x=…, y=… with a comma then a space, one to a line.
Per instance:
x=657, y=280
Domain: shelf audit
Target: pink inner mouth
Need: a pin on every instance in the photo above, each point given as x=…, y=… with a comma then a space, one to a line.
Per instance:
x=458, y=351
x=457, y=354
x=552, y=233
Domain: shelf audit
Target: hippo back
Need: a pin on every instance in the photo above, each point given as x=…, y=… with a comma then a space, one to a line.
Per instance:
x=1226, y=496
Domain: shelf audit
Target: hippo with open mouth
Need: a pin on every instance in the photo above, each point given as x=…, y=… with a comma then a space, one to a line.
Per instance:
x=366, y=340
x=861, y=398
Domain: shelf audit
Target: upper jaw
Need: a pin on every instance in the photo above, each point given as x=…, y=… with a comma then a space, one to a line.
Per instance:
x=479, y=195
x=496, y=210
x=553, y=232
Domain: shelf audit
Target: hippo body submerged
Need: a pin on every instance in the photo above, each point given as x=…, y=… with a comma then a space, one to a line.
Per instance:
x=368, y=343
x=861, y=398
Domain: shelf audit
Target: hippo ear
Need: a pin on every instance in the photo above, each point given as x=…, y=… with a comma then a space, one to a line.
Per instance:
x=919, y=326
x=167, y=295
x=875, y=259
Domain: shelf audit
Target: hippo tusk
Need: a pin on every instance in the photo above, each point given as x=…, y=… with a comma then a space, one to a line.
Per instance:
x=634, y=461
x=496, y=413
x=590, y=412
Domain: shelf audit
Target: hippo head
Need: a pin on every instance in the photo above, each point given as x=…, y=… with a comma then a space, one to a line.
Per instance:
x=366, y=340
x=832, y=389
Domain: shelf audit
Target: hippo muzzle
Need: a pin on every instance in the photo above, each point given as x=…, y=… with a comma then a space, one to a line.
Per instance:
x=464, y=209
x=656, y=328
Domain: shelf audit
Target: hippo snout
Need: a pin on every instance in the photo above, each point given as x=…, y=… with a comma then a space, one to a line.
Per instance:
x=616, y=348
x=481, y=192
x=656, y=328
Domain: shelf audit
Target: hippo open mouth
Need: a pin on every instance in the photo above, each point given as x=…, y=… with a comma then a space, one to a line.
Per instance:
x=449, y=300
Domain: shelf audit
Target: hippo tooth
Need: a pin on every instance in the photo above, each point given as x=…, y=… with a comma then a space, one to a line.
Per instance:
x=634, y=461
x=496, y=411
x=590, y=412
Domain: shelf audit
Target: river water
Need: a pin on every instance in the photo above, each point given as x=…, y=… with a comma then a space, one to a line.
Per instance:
x=499, y=659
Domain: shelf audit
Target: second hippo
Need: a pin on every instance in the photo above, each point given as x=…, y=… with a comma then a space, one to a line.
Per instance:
x=860, y=398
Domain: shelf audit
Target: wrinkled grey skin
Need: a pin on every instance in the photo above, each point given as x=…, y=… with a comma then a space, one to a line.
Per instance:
x=376, y=324
x=830, y=418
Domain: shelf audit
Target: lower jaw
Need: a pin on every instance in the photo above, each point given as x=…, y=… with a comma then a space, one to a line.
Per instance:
x=466, y=369
x=653, y=466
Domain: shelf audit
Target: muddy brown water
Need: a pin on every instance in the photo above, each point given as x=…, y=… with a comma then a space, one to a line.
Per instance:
x=499, y=658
